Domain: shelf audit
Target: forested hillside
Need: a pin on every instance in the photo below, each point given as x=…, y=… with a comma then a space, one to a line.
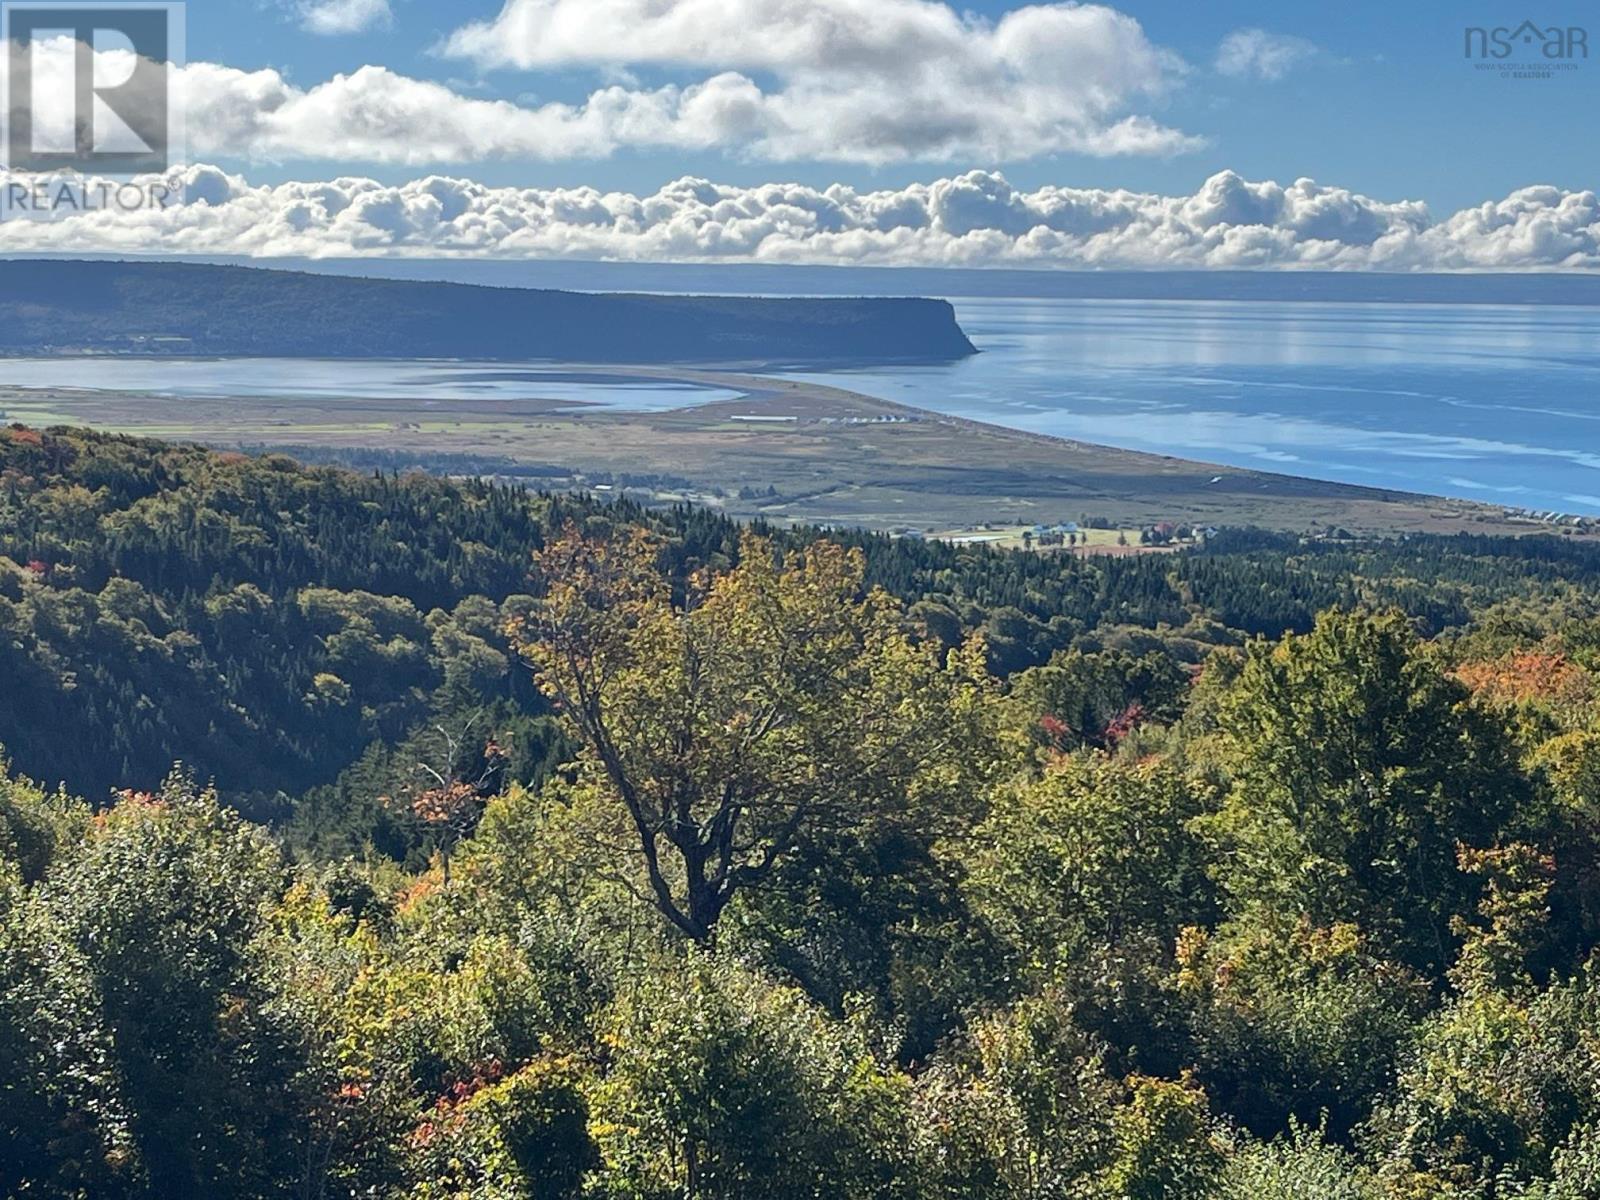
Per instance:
x=528, y=846
x=263, y=622
x=193, y=308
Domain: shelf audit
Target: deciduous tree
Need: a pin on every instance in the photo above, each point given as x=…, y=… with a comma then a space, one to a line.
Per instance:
x=728, y=722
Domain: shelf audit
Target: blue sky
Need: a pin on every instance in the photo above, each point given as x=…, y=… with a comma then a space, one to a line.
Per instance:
x=1228, y=134
x=1383, y=104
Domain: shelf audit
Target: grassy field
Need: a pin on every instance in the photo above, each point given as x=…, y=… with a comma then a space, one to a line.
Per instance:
x=1087, y=542
x=787, y=451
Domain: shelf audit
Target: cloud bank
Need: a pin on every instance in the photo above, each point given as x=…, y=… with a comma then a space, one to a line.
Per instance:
x=857, y=81
x=972, y=220
x=864, y=80
x=377, y=115
x=860, y=81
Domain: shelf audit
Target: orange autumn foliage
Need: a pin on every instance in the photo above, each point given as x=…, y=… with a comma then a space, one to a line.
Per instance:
x=425, y=885
x=1528, y=676
x=444, y=805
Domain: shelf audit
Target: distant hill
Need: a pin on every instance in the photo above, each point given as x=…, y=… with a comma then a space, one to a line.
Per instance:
x=786, y=279
x=73, y=306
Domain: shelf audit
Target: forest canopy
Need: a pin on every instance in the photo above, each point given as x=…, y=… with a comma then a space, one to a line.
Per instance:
x=403, y=837
x=70, y=306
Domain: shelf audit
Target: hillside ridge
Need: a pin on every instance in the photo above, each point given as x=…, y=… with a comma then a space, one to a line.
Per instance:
x=63, y=307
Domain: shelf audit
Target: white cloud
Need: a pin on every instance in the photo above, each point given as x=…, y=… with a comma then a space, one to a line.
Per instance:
x=1042, y=81
x=376, y=115
x=1255, y=53
x=343, y=16
x=976, y=219
x=866, y=80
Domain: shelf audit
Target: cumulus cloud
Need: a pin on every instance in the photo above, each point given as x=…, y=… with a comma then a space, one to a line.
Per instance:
x=343, y=16
x=866, y=80
x=377, y=115
x=850, y=81
x=975, y=219
x=1255, y=53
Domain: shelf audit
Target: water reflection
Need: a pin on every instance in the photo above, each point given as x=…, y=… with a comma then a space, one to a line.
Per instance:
x=335, y=379
x=1497, y=403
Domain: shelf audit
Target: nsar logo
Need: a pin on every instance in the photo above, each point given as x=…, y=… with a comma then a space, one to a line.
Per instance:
x=1553, y=43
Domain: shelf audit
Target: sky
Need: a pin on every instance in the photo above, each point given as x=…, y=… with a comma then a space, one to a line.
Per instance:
x=1152, y=133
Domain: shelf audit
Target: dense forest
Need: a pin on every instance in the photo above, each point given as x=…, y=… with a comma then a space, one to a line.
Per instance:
x=53, y=307
x=377, y=836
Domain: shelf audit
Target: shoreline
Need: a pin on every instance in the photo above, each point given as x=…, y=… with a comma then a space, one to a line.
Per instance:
x=783, y=450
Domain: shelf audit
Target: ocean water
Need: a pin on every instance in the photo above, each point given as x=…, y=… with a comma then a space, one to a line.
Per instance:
x=328, y=380
x=1496, y=403
x=1493, y=403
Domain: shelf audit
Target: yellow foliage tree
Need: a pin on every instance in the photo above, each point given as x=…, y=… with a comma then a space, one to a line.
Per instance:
x=723, y=726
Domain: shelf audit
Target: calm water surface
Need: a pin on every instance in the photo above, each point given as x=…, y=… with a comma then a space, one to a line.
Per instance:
x=1494, y=403
x=331, y=379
